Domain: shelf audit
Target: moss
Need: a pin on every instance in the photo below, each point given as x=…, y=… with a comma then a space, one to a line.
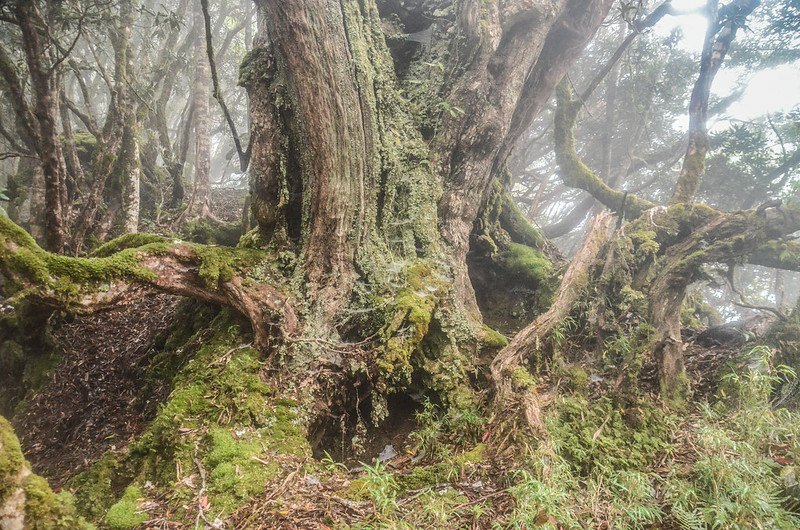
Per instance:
x=126, y=513
x=413, y=309
x=517, y=224
x=422, y=477
x=98, y=488
x=644, y=243
x=236, y=473
x=252, y=240
x=11, y=459
x=85, y=146
x=575, y=377
x=356, y=490
x=39, y=369
x=45, y=510
x=491, y=339
x=208, y=231
x=522, y=378
x=125, y=242
x=71, y=276
x=526, y=263
x=61, y=273
x=222, y=415
x=450, y=469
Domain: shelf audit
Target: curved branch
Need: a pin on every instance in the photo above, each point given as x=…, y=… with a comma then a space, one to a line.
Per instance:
x=136, y=261
x=527, y=341
x=574, y=172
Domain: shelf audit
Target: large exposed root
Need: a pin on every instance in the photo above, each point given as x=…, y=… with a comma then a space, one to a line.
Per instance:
x=211, y=274
x=529, y=340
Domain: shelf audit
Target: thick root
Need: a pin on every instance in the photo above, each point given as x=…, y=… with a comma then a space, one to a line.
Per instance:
x=509, y=359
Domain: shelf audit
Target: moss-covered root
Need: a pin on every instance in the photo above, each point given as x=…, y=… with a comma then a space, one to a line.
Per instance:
x=26, y=501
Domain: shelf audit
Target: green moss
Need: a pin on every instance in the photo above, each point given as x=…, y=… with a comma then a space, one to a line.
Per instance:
x=526, y=263
x=125, y=242
x=356, y=490
x=574, y=376
x=491, y=339
x=11, y=459
x=45, y=510
x=422, y=477
x=644, y=243
x=126, y=513
x=450, y=469
x=98, y=488
x=208, y=231
x=516, y=222
x=413, y=309
x=522, y=378
x=39, y=369
x=85, y=146
x=237, y=469
x=252, y=240
x=69, y=276
x=221, y=414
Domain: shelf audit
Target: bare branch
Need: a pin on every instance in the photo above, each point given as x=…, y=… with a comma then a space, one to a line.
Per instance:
x=244, y=156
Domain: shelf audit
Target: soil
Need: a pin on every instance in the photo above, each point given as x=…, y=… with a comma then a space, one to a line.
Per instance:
x=93, y=401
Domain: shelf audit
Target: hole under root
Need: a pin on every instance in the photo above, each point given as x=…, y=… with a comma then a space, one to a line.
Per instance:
x=348, y=436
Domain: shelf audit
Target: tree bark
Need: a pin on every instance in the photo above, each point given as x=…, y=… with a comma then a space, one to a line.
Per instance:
x=45, y=110
x=201, y=93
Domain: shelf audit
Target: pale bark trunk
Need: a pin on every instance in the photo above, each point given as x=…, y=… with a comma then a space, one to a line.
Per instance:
x=131, y=187
x=201, y=93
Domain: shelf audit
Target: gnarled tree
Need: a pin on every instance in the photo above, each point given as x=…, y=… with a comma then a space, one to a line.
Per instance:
x=369, y=170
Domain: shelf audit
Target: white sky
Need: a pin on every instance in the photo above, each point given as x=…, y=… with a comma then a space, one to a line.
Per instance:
x=768, y=91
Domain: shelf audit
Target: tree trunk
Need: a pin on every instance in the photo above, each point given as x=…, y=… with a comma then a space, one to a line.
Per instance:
x=201, y=93
x=45, y=109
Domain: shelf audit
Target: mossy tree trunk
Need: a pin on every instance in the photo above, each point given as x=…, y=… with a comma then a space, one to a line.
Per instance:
x=41, y=117
x=201, y=93
x=375, y=187
x=342, y=165
x=116, y=166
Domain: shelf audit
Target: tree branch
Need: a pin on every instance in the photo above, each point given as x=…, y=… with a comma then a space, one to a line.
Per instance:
x=574, y=172
x=722, y=27
x=244, y=156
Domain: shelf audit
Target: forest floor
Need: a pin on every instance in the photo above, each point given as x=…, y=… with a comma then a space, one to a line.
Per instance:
x=102, y=396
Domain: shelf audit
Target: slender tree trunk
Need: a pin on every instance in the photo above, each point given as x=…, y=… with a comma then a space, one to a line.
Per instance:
x=45, y=109
x=201, y=93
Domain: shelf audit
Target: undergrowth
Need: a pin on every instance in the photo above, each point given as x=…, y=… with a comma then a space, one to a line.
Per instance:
x=607, y=462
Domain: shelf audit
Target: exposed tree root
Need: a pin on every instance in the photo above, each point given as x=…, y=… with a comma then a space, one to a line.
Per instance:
x=529, y=340
x=212, y=274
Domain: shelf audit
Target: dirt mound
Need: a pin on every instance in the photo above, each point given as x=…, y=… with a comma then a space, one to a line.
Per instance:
x=95, y=398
